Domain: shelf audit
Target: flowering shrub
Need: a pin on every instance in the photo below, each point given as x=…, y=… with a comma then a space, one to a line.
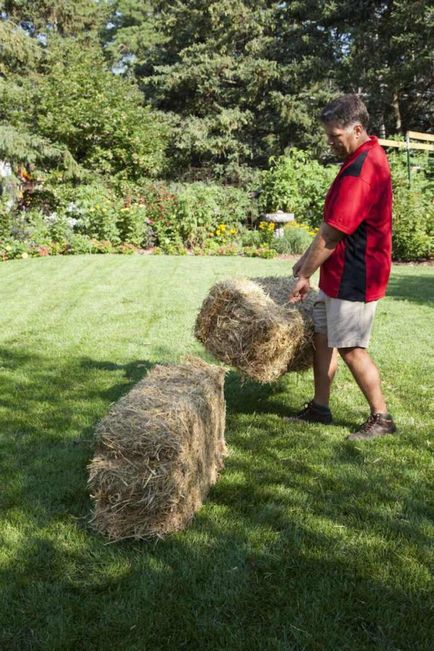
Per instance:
x=201, y=218
x=266, y=230
x=10, y=249
x=224, y=234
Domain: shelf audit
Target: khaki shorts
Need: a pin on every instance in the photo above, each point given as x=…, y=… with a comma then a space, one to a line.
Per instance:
x=347, y=324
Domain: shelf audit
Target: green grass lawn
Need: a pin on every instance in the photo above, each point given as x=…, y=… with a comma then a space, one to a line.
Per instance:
x=307, y=541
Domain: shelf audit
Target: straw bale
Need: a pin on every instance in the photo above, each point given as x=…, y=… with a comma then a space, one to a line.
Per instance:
x=159, y=449
x=249, y=324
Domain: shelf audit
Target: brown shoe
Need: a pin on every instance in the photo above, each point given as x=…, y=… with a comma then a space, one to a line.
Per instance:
x=376, y=425
x=313, y=413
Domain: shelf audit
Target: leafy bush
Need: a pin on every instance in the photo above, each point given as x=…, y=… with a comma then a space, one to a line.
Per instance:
x=251, y=237
x=79, y=244
x=11, y=248
x=296, y=183
x=161, y=205
x=413, y=225
x=134, y=226
x=95, y=211
x=190, y=214
x=413, y=210
x=98, y=116
x=295, y=240
x=170, y=248
x=202, y=207
x=259, y=252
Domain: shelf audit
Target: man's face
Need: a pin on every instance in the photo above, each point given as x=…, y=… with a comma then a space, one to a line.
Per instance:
x=343, y=140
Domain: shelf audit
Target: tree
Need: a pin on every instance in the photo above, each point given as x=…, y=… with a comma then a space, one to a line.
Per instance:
x=386, y=54
x=65, y=17
x=236, y=83
x=100, y=118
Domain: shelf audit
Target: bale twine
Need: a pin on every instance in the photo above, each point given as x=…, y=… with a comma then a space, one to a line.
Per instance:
x=250, y=325
x=159, y=449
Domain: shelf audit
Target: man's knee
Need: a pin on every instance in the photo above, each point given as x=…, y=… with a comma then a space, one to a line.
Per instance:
x=350, y=355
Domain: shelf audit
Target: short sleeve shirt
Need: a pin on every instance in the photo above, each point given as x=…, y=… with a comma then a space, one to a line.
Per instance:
x=359, y=204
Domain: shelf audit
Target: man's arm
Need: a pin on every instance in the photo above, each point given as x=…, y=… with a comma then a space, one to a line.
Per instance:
x=298, y=265
x=321, y=248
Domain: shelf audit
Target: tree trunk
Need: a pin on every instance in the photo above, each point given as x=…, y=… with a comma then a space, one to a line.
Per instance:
x=397, y=111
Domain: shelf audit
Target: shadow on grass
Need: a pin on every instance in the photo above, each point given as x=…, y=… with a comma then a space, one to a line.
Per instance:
x=298, y=546
x=416, y=288
x=248, y=397
x=47, y=417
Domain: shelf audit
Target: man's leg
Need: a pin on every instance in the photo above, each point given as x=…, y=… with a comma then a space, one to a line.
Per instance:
x=324, y=369
x=367, y=377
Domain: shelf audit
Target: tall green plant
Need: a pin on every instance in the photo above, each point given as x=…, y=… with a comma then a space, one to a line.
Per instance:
x=296, y=183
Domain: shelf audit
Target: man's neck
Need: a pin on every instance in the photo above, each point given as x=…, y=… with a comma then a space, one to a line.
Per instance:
x=360, y=142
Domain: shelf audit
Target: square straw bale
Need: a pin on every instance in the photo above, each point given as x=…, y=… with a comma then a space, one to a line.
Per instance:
x=249, y=324
x=159, y=449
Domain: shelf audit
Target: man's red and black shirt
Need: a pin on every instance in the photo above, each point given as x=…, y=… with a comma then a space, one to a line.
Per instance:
x=359, y=203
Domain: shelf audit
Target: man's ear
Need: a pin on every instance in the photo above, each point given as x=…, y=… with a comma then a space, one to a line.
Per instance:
x=358, y=130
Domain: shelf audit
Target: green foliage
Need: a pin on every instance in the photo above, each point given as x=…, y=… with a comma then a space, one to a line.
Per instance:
x=237, y=91
x=160, y=205
x=65, y=17
x=413, y=225
x=18, y=52
x=413, y=209
x=387, y=52
x=79, y=244
x=5, y=221
x=295, y=240
x=190, y=213
x=99, y=117
x=202, y=207
x=259, y=252
x=134, y=226
x=19, y=146
x=296, y=183
x=11, y=249
x=95, y=212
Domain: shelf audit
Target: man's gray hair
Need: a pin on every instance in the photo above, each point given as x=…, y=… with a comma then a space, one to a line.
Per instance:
x=344, y=111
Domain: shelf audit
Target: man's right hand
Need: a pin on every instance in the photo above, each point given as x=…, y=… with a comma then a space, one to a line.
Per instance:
x=300, y=290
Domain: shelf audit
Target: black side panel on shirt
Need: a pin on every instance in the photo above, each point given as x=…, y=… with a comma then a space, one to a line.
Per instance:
x=356, y=166
x=353, y=281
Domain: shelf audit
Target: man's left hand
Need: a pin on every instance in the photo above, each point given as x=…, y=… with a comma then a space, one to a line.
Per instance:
x=300, y=290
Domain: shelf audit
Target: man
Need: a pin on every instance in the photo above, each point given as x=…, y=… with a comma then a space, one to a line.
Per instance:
x=353, y=251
